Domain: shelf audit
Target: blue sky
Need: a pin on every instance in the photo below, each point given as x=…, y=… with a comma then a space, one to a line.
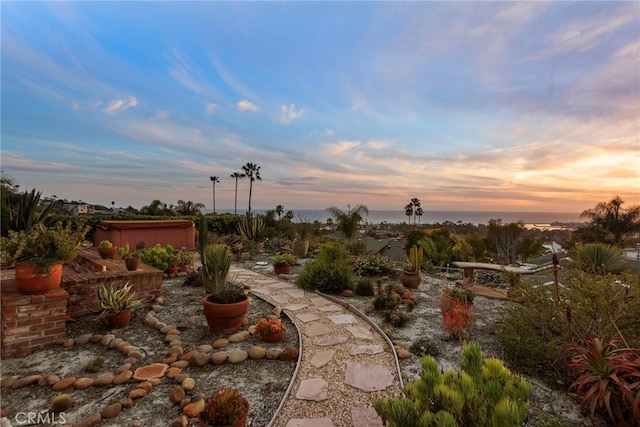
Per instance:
x=515, y=106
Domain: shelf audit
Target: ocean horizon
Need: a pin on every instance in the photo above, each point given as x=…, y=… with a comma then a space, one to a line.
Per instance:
x=431, y=217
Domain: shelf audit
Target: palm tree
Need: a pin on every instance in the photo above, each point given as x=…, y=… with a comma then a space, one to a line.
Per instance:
x=214, y=179
x=415, y=202
x=419, y=213
x=616, y=222
x=408, y=211
x=279, y=210
x=253, y=172
x=237, y=176
x=348, y=222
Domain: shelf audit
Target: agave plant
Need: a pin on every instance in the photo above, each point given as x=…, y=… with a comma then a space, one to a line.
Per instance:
x=114, y=300
x=608, y=378
x=600, y=259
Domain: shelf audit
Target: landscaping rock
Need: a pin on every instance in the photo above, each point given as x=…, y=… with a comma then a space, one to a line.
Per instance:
x=137, y=393
x=111, y=411
x=63, y=384
x=123, y=377
x=219, y=357
x=239, y=337
x=220, y=342
x=188, y=384
x=26, y=381
x=103, y=380
x=289, y=354
x=199, y=359
x=238, y=356
x=82, y=383
x=256, y=352
x=176, y=394
x=91, y=421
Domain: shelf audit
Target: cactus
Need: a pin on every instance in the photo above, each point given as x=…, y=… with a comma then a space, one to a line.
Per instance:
x=203, y=235
x=61, y=403
x=96, y=365
x=415, y=259
x=484, y=393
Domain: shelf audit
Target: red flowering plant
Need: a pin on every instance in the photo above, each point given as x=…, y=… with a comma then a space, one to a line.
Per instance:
x=608, y=377
x=458, y=320
x=269, y=327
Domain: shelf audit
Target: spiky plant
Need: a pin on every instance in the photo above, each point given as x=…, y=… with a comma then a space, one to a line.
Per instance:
x=599, y=258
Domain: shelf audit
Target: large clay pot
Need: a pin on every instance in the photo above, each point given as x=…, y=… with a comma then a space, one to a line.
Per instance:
x=282, y=268
x=108, y=253
x=301, y=248
x=120, y=319
x=132, y=263
x=31, y=279
x=410, y=280
x=242, y=422
x=448, y=303
x=224, y=319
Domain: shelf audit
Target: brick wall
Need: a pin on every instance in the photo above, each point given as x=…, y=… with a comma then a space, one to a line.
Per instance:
x=31, y=322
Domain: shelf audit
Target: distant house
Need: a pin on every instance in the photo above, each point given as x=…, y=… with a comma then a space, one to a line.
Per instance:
x=79, y=208
x=553, y=247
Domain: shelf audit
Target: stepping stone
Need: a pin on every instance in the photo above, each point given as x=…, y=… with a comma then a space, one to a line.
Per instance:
x=281, y=299
x=295, y=293
x=316, y=329
x=366, y=349
x=310, y=422
x=330, y=307
x=321, y=358
x=307, y=317
x=367, y=377
x=360, y=332
x=365, y=417
x=281, y=285
x=295, y=307
x=264, y=291
x=317, y=301
x=331, y=340
x=313, y=389
x=343, y=319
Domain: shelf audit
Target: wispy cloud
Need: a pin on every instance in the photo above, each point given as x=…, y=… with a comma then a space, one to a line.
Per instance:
x=245, y=105
x=210, y=107
x=341, y=147
x=118, y=105
x=289, y=113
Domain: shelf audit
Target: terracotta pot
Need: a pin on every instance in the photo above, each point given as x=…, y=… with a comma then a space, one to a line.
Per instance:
x=301, y=248
x=448, y=303
x=242, y=422
x=31, y=279
x=172, y=270
x=119, y=320
x=282, y=268
x=410, y=280
x=132, y=263
x=224, y=319
x=108, y=253
x=272, y=337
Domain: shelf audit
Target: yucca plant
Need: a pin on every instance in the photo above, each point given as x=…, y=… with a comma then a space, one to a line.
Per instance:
x=608, y=378
x=113, y=299
x=599, y=258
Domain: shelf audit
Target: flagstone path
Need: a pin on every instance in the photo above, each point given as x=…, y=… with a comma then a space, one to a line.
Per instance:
x=346, y=363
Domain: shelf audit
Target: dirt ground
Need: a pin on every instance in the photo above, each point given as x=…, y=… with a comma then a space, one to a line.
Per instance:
x=263, y=382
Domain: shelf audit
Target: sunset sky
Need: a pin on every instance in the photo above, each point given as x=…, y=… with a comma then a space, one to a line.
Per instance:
x=529, y=106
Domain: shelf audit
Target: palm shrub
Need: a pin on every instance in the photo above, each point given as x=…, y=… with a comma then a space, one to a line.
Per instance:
x=483, y=393
x=331, y=272
x=599, y=258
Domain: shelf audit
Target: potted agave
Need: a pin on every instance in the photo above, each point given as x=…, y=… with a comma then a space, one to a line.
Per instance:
x=226, y=407
x=225, y=304
x=282, y=262
x=116, y=304
x=270, y=330
x=38, y=254
x=410, y=275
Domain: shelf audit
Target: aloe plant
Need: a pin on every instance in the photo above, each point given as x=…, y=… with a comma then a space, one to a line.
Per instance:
x=114, y=300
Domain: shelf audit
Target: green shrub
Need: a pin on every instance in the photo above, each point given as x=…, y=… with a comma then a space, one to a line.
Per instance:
x=331, y=272
x=484, y=393
x=534, y=329
x=364, y=287
x=157, y=256
x=598, y=258
x=373, y=265
x=357, y=248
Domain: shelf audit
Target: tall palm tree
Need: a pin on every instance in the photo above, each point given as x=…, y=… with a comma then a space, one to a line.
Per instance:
x=214, y=179
x=252, y=171
x=279, y=210
x=348, y=222
x=416, y=204
x=408, y=211
x=237, y=176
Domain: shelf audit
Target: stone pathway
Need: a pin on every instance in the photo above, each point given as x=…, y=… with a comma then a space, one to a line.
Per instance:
x=345, y=364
